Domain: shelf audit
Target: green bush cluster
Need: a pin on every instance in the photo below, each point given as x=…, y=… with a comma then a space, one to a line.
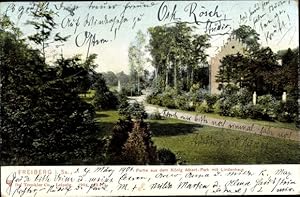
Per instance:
x=189, y=101
x=238, y=103
x=233, y=101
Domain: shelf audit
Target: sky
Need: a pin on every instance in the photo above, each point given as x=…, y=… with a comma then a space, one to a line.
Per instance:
x=108, y=28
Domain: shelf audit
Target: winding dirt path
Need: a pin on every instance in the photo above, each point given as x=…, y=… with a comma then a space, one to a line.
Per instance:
x=202, y=119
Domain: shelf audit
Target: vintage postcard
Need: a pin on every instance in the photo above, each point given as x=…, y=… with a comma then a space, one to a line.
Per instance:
x=137, y=97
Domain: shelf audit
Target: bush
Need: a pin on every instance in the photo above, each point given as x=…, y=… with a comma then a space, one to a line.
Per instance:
x=210, y=100
x=154, y=99
x=267, y=105
x=225, y=107
x=287, y=111
x=105, y=101
x=166, y=157
x=236, y=110
x=233, y=100
x=202, y=107
x=168, y=98
x=216, y=107
x=264, y=109
x=139, y=148
x=182, y=102
x=136, y=111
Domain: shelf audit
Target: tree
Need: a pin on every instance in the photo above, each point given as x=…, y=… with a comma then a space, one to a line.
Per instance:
x=139, y=148
x=177, y=55
x=234, y=69
x=254, y=72
x=43, y=120
x=198, y=58
x=285, y=78
x=136, y=54
x=131, y=138
x=44, y=24
x=7, y=25
x=110, y=78
x=248, y=36
x=104, y=99
x=263, y=63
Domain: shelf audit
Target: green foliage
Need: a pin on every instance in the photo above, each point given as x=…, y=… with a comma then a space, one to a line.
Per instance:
x=287, y=111
x=210, y=100
x=236, y=110
x=233, y=100
x=119, y=136
x=248, y=36
x=154, y=99
x=168, y=98
x=110, y=78
x=44, y=24
x=202, y=107
x=133, y=110
x=139, y=148
x=166, y=157
x=177, y=55
x=43, y=119
x=182, y=102
x=103, y=99
x=265, y=108
x=217, y=107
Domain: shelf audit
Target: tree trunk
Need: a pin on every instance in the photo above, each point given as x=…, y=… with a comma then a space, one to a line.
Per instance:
x=192, y=77
x=138, y=84
x=167, y=77
x=175, y=75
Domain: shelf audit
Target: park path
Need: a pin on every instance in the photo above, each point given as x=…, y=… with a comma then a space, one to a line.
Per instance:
x=203, y=119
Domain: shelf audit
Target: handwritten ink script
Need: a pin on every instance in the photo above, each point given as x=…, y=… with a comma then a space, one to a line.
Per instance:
x=269, y=17
x=23, y=181
x=93, y=24
x=226, y=124
x=213, y=21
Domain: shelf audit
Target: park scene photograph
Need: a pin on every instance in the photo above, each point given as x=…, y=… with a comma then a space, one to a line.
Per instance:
x=149, y=82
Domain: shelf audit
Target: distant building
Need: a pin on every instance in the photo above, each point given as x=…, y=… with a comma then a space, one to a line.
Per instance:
x=232, y=46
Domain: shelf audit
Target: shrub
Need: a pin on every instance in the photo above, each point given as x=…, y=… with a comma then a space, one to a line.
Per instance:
x=267, y=106
x=225, y=107
x=202, y=107
x=211, y=100
x=236, y=110
x=166, y=157
x=154, y=99
x=287, y=111
x=233, y=100
x=105, y=100
x=136, y=111
x=120, y=135
x=246, y=111
x=182, y=102
x=265, y=109
x=139, y=148
x=216, y=107
x=167, y=101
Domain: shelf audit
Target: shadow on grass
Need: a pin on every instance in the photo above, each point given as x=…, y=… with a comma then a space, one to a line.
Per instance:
x=172, y=129
x=98, y=115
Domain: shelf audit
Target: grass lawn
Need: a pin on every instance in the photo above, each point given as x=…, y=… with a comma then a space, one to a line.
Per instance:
x=198, y=144
x=241, y=120
x=107, y=120
x=208, y=145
